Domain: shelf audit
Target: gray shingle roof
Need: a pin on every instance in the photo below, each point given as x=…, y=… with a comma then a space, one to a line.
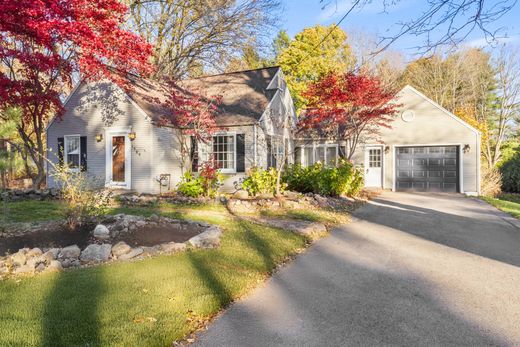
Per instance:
x=244, y=94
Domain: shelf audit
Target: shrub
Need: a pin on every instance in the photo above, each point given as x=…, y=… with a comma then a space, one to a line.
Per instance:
x=190, y=186
x=210, y=178
x=490, y=182
x=334, y=181
x=83, y=200
x=205, y=184
x=261, y=181
x=511, y=174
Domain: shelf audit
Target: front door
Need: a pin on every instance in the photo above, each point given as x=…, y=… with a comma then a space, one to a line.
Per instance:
x=118, y=159
x=374, y=166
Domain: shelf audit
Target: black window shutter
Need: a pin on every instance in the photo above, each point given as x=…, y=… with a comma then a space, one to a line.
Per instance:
x=61, y=149
x=194, y=154
x=83, y=154
x=241, y=153
x=342, y=152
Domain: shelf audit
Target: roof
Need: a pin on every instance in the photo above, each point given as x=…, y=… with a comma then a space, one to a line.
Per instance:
x=245, y=94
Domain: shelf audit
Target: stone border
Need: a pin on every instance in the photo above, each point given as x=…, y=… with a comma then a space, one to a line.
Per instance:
x=36, y=260
x=30, y=194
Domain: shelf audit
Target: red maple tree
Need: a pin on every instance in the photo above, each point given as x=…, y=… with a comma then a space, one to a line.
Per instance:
x=45, y=43
x=347, y=107
x=193, y=114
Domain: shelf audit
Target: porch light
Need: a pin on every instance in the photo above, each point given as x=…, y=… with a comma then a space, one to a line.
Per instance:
x=466, y=148
x=387, y=149
x=132, y=136
x=99, y=137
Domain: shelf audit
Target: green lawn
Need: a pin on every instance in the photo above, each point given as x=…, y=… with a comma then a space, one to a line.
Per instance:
x=509, y=203
x=152, y=302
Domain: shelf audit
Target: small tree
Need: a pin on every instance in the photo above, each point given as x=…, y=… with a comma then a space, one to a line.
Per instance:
x=193, y=114
x=348, y=107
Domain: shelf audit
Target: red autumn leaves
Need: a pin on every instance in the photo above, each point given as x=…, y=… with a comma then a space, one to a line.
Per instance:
x=346, y=105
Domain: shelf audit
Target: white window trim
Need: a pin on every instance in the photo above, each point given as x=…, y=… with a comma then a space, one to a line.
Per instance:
x=224, y=133
x=314, y=146
x=66, y=155
x=109, y=133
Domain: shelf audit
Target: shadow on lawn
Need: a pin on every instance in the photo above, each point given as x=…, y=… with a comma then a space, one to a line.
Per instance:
x=70, y=316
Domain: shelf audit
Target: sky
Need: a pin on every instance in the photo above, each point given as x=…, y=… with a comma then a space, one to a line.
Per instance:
x=299, y=14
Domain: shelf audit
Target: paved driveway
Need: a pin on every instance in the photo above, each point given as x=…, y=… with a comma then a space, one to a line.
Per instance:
x=410, y=270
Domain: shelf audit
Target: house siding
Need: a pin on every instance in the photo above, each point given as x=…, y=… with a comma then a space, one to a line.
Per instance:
x=92, y=109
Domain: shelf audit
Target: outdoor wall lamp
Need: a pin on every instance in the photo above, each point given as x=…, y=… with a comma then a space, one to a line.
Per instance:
x=99, y=137
x=387, y=149
x=132, y=136
x=466, y=148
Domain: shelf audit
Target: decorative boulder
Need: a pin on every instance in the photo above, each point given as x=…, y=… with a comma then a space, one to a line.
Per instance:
x=132, y=254
x=241, y=194
x=208, y=239
x=70, y=252
x=35, y=252
x=54, y=265
x=27, y=268
x=19, y=258
x=173, y=247
x=96, y=253
x=101, y=232
x=120, y=248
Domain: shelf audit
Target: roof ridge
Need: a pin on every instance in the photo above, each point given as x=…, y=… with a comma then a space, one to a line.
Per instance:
x=232, y=72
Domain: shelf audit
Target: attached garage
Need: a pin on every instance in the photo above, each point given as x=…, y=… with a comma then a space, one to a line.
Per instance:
x=424, y=149
x=427, y=168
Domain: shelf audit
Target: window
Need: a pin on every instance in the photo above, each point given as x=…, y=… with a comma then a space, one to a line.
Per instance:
x=332, y=155
x=72, y=152
x=374, y=158
x=326, y=154
x=222, y=149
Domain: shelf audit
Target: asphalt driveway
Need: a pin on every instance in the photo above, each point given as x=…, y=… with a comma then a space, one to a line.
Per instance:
x=410, y=270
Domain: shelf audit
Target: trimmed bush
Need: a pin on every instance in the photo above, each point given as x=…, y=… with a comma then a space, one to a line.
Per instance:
x=344, y=179
x=260, y=181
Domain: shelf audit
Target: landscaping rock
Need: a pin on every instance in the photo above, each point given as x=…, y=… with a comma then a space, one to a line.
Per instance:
x=208, y=239
x=50, y=255
x=101, y=232
x=265, y=196
x=35, y=252
x=132, y=254
x=19, y=258
x=171, y=247
x=70, y=252
x=96, y=253
x=40, y=267
x=24, y=269
x=120, y=248
x=150, y=251
x=241, y=194
x=54, y=265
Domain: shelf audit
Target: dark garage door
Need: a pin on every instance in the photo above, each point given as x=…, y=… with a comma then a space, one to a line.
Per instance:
x=427, y=169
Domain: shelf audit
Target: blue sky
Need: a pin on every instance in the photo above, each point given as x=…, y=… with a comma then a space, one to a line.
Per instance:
x=304, y=13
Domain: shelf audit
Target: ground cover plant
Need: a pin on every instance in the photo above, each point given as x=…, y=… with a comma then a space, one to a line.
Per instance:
x=150, y=302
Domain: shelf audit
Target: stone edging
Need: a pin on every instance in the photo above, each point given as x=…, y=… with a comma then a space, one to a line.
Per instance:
x=36, y=260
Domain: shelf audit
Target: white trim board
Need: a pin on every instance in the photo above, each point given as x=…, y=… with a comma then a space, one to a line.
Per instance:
x=109, y=133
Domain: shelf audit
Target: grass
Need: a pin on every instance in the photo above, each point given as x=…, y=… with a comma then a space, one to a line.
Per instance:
x=31, y=211
x=152, y=302
x=509, y=203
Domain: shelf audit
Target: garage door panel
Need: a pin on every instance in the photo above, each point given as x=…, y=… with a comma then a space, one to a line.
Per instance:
x=427, y=168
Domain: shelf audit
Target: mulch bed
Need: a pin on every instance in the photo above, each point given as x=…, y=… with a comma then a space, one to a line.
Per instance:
x=147, y=235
